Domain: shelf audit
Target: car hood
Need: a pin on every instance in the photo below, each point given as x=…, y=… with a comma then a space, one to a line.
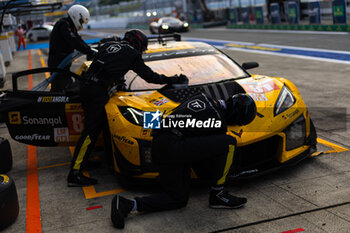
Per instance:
x=265, y=91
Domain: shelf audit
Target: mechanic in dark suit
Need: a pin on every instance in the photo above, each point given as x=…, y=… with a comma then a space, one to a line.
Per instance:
x=113, y=60
x=64, y=39
x=176, y=150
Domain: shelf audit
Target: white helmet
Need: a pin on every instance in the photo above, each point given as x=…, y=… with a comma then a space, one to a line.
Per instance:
x=79, y=15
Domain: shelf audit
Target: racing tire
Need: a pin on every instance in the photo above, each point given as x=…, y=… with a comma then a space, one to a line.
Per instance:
x=9, y=207
x=5, y=156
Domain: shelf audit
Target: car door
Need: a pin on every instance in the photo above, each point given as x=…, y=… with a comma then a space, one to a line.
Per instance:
x=40, y=117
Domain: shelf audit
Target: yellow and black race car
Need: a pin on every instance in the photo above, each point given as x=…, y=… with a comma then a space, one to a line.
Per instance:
x=281, y=134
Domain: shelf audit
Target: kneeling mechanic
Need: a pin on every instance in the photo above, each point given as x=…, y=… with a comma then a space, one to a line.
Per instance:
x=176, y=150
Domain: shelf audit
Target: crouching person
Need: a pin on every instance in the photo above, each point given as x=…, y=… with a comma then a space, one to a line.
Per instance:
x=176, y=150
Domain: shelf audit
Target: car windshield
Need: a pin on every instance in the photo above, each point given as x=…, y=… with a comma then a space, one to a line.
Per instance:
x=210, y=68
x=170, y=20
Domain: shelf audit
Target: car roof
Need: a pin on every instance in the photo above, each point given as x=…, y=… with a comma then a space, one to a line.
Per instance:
x=43, y=26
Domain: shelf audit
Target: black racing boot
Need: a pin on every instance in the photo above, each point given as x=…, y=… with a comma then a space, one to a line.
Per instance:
x=77, y=179
x=223, y=200
x=121, y=207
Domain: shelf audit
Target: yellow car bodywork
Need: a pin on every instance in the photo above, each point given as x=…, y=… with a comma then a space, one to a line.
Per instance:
x=265, y=90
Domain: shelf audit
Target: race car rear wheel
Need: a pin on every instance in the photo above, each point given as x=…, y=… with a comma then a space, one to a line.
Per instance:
x=5, y=156
x=9, y=207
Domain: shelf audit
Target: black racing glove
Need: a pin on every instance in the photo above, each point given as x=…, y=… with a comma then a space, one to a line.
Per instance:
x=179, y=79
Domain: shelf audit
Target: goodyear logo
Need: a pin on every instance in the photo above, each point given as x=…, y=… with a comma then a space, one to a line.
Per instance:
x=15, y=118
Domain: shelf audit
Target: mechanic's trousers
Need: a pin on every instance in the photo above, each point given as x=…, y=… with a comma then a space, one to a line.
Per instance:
x=94, y=97
x=22, y=41
x=175, y=156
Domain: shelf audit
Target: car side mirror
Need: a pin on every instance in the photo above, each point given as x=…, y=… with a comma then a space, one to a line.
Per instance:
x=250, y=65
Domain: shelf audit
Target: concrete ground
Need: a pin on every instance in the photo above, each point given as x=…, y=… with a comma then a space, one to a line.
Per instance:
x=313, y=196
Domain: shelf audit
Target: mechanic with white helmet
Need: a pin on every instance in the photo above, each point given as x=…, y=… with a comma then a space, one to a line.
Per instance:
x=177, y=150
x=64, y=39
x=113, y=60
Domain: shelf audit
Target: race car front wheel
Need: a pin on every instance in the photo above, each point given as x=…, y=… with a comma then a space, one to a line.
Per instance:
x=9, y=207
x=5, y=156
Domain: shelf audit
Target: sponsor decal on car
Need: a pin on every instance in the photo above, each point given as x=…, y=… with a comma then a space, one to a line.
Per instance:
x=61, y=134
x=123, y=139
x=146, y=133
x=42, y=120
x=258, y=97
x=75, y=118
x=196, y=105
x=15, y=118
x=53, y=99
x=161, y=102
x=74, y=108
x=290, y=115
x=262, y=87
x=33, y=137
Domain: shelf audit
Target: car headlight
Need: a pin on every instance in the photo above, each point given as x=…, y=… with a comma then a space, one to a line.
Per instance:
x=165, y=27
x=185, y=25
x=295, y=133
x=133, y=115
x=284, y=101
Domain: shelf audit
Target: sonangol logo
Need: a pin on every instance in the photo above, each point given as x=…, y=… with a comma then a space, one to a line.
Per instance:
x=15, y=118
x=151, y=120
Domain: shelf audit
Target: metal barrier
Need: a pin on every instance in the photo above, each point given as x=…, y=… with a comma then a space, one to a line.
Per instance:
x=5, y=48
x=11, y=38
x=2, y=71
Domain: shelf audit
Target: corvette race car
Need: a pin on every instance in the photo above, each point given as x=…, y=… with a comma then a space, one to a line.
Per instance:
x=281, y=134
x=168, y=25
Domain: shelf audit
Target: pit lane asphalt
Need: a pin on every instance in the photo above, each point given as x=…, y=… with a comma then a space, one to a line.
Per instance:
x=304, y=197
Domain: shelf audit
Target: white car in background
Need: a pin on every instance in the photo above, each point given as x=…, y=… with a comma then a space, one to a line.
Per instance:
x=39, y=32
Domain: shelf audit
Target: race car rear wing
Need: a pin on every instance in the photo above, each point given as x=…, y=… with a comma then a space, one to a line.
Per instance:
x=164, y=38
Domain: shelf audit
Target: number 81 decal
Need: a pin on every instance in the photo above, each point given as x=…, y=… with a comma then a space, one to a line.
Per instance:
x=75, y=118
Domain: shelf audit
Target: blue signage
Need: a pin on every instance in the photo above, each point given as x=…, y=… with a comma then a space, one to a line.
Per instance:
x=3, y=3
x=245, y=15
x=293, y=12
x=259, y=15
x=314, y=13
x=339, y=11
x=232, y=16
x=275, y=13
